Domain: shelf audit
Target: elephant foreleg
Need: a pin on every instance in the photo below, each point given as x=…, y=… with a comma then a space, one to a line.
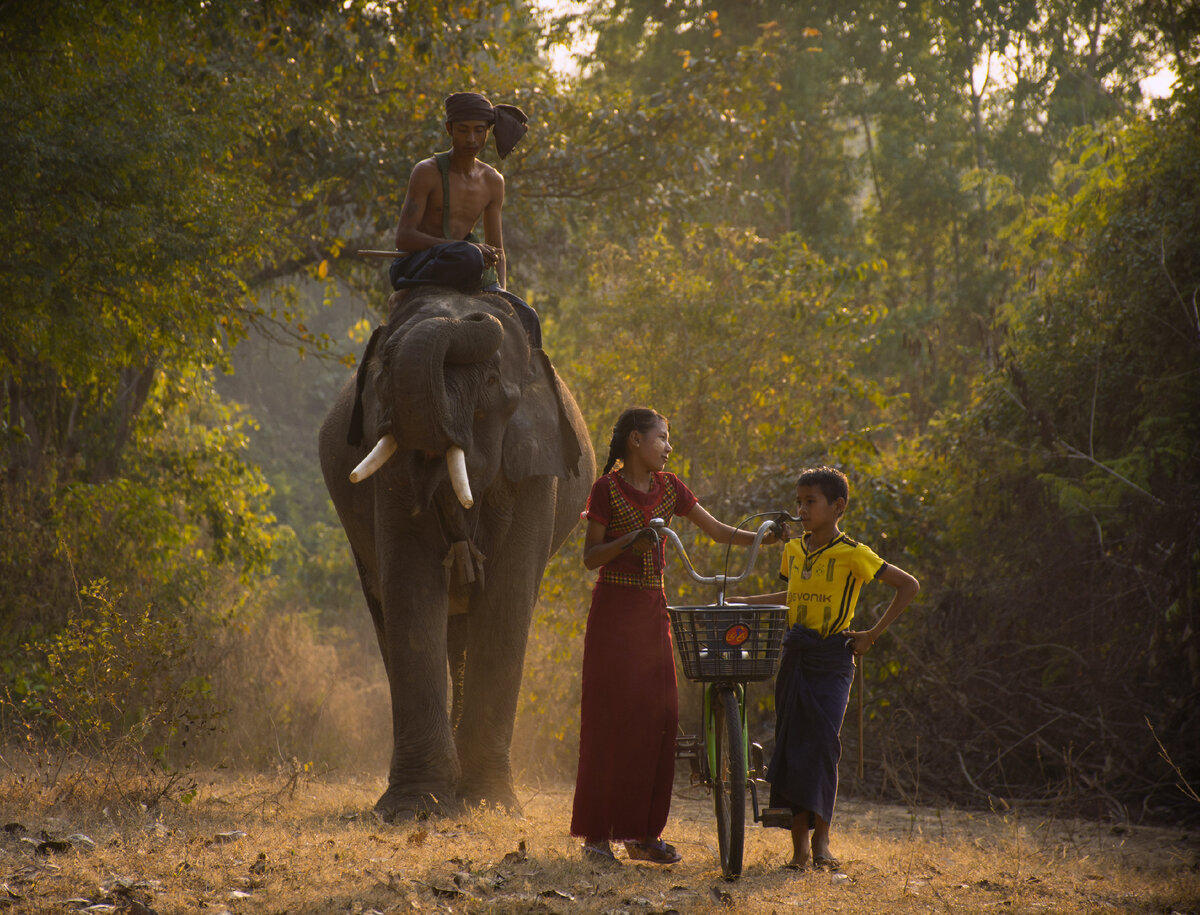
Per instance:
x=424, y=772
x=499, y=630
x=373, y=605
x=456, y=650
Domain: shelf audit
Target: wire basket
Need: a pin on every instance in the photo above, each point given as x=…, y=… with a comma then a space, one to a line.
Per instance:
x=729, y=643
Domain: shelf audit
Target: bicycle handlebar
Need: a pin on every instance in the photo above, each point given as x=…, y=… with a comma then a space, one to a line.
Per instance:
x=659, y=526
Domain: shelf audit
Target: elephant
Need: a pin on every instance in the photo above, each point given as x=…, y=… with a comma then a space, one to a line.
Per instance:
x=480, y=466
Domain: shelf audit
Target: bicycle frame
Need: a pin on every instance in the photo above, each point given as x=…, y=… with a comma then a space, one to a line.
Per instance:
x=736, y=649
x=739, y=689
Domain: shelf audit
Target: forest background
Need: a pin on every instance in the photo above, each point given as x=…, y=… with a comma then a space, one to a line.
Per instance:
x=950, y=247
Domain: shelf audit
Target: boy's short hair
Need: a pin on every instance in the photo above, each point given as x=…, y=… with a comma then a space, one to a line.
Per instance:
x=832, y=482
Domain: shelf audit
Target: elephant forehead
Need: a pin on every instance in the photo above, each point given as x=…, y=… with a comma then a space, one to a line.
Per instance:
x=447, y=303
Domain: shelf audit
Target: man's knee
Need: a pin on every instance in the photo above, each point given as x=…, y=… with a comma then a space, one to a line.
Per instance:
x=525, y=312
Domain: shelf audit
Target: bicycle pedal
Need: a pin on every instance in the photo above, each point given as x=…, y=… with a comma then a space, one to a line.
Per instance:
x=776, y=816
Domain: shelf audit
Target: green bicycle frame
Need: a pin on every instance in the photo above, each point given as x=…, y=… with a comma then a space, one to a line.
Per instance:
x=710, y=742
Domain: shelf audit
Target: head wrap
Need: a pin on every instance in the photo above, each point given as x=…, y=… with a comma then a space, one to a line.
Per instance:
x=510, y=121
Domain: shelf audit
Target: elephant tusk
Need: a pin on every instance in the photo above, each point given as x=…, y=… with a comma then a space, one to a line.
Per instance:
x=456, y=463
x=384, y=449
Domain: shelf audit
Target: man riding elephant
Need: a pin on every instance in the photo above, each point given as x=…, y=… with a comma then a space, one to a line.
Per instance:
x=447, y=194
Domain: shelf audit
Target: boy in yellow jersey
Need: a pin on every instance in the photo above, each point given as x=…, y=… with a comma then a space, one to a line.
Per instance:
x=825, y=571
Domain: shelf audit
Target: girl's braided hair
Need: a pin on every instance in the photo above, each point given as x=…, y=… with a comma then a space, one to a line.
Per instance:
x=635, y=419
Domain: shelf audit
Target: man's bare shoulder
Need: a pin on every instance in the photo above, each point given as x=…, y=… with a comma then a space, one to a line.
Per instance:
x=425, y=171
x=494, y=181
x=490, y=175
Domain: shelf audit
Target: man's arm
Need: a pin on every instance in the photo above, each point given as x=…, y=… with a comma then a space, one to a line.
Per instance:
x=425, y=177
x=493, y=225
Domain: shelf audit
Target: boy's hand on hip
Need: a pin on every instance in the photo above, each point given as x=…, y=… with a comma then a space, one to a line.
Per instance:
x=860, y=642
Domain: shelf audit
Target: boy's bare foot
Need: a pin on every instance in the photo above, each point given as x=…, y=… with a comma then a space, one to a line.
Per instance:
x=823, y=857
x=797, y=864
x=821, y=854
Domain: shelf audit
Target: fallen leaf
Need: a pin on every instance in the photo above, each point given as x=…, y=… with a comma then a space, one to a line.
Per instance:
x=720, y=896
x=514, y=857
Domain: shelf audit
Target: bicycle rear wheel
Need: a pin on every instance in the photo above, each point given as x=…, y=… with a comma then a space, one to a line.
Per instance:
x=729, y=779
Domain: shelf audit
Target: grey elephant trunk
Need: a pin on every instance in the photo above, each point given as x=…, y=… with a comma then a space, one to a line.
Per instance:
x=421, y=362
x=433, y=362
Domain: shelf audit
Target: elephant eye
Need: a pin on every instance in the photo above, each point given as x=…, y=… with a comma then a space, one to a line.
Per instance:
x=493, y=380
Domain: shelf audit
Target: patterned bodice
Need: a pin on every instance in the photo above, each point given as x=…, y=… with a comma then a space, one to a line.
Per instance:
x=627, y=517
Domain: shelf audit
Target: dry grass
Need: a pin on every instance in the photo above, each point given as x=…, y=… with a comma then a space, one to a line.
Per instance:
x=294, y=843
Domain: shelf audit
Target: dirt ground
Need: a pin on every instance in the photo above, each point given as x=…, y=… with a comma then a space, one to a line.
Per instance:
x=299, y=845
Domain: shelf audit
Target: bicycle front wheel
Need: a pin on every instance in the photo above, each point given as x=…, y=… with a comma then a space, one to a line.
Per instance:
x=729, y=779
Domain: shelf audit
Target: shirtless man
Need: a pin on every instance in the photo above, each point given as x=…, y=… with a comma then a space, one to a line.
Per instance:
x=430, y=229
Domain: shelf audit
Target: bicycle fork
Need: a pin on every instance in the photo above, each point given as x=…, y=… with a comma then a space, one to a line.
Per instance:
x=752, y=752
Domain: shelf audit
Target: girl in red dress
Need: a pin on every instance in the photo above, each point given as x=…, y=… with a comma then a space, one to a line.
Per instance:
x=629, y=711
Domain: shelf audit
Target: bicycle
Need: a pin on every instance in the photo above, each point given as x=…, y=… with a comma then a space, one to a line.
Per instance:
x=724, y=647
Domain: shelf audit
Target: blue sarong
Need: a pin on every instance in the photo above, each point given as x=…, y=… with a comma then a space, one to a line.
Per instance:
x=459, y=264
x=812, y=689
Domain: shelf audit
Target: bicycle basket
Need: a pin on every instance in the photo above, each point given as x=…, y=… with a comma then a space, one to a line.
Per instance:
x=729, y=643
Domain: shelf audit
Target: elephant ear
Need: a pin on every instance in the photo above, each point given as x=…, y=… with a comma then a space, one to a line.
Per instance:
x=354, y=434
x=543, y=435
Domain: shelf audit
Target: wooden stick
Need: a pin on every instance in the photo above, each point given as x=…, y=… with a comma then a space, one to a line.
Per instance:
x=858, y=675
x=370, y=252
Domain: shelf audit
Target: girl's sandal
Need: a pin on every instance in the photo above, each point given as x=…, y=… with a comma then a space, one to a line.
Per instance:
x=657, y=852
x=599, y=851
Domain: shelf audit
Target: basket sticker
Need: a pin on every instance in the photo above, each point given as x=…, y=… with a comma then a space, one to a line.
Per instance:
x=737, y=634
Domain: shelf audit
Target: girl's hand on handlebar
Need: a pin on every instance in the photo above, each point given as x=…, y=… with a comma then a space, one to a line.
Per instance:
x=643, y=540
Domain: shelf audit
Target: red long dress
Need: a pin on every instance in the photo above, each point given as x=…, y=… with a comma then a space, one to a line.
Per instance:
x=629, y=712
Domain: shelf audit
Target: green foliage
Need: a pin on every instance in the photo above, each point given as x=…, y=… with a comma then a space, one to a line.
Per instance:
x=750, y=339
x=1072, y=480
x=186, y=507
x=111, y=688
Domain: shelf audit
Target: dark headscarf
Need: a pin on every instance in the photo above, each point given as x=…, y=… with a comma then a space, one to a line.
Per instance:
x=510, y=122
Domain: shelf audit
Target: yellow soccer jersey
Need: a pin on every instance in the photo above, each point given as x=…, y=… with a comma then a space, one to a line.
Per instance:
x=823, y=585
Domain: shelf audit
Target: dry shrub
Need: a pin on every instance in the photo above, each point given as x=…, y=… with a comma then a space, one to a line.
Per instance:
x=546, y=732
x=293, y=691
x=130, y=700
